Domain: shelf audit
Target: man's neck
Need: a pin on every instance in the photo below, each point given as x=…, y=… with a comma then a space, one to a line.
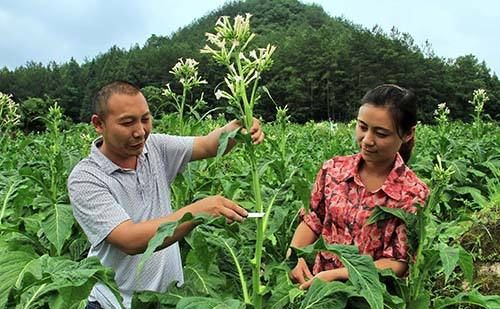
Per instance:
x=123, y=162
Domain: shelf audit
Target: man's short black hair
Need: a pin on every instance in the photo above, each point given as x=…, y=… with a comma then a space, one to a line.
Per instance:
x=102, y=96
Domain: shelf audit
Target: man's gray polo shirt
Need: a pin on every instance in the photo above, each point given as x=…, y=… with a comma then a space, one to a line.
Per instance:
x=103, y=195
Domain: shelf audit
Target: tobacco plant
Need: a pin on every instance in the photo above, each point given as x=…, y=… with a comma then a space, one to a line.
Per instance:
x=430, y=254
x=9, y=117
x=229, y=46
x=41, y=252
x=185, y=73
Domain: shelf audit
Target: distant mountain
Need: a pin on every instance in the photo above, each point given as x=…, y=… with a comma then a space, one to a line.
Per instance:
x=322, y=67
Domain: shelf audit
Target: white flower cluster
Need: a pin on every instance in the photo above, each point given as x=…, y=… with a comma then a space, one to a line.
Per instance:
x=228, y=47
x=442, y=175
x=441, y=113
x=442, y=109
x=187, y=74
x=228, y=38
x=9, y=112
x=479, y=98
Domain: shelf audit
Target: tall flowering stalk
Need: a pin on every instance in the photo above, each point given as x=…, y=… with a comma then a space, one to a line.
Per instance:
x=441, y=115
x=479, y=98
x=229, y=47
x=9, y=116
x=186, y=73
x=419, y=271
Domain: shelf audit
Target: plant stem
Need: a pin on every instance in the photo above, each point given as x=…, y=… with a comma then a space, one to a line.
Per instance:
x=257, y=296
x=9, y=193
x=243, y=282
x=418, y=277
x=181, y=110
x=247, y=106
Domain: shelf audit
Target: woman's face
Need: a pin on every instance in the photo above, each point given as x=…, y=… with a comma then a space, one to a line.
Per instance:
x=377, y=134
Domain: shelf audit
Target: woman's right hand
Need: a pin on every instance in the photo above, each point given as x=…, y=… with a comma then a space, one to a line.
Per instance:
x=301, y=272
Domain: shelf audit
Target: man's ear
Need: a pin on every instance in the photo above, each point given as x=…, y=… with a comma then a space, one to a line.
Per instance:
x=98, y=123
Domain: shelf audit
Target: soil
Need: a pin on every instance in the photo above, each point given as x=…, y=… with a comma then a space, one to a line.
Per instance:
x=483, y=241
x=488, y=278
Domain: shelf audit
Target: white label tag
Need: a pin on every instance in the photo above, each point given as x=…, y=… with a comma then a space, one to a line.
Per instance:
x=255, y=214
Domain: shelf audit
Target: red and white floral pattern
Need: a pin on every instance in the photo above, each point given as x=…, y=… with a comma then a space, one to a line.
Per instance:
x=340, y=206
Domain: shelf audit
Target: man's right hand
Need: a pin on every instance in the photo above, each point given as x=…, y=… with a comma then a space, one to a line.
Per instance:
x=301, y=272
x=219, y=206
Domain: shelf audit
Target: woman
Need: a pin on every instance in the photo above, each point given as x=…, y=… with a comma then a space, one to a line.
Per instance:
x=347, y=188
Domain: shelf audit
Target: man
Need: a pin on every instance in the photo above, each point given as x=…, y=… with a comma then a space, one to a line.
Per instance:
x=121, y=192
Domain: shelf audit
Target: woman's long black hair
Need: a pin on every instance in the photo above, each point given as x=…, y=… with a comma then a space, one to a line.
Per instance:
x=402, y=107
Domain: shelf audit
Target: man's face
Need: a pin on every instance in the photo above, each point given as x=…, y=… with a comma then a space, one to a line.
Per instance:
x=125, y=128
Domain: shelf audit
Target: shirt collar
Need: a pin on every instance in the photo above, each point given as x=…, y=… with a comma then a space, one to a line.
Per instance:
x=106, y=164
x=351, y=170
x=390, y=186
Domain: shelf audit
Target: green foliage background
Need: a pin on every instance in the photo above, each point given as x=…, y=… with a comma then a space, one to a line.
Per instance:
x=43, y=250
x=323, y=65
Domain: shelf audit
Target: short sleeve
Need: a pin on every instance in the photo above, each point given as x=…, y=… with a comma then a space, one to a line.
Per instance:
x=94, y=207
x=176, y=151
x=316, y=215
x=395, y=240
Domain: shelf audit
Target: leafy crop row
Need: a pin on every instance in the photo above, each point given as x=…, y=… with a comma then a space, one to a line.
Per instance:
x=43, y=251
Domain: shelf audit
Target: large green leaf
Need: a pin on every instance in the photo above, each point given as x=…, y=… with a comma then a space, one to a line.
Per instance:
x=283, y=293
x=33, y=268
x=381, y=213
x=200, y=252
x=362, y=271
x=35, y=296
x=165, y=230
x=466, y=264
x=449, y=258
x=320, y=295
x=57, y=302
x=476, y=194
x=224, y=141
x=423, y=301
x=57, y=225
x=13, y=263
x=168, y=299
x=7, y=193
x=397, y=284
x=472, y=298
x=72, y=281
x=410, y=220
x=208, y=303
x=210, y=282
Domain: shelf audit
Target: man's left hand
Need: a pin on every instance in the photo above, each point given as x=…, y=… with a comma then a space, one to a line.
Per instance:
x=256, y=132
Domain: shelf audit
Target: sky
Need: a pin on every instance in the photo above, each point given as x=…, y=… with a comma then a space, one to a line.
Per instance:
x=56, y=30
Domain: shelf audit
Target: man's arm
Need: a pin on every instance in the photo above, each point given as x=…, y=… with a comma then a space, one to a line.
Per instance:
x=132, y=238
x=206, y=146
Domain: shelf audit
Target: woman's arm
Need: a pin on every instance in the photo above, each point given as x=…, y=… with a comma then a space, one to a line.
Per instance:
x=302, y=237
x=342, y=274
